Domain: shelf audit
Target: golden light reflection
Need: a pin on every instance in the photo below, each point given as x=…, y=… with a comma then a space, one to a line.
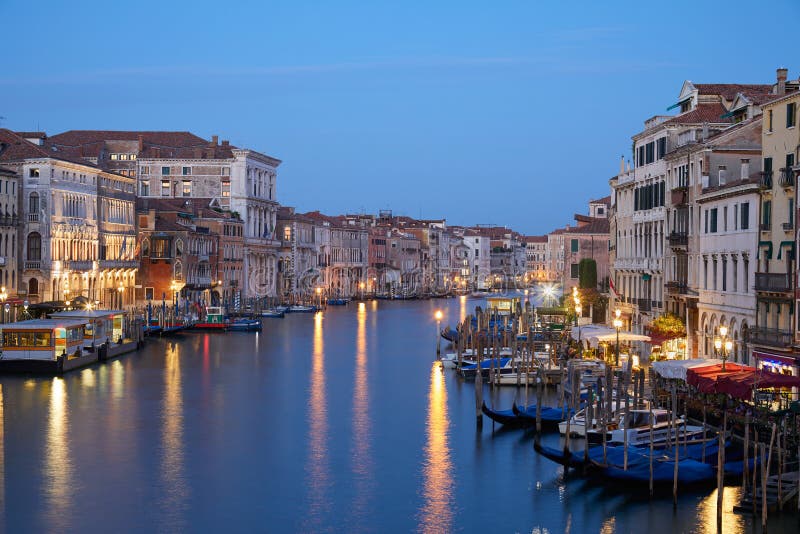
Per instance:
x=707, y=512
x=437, y=512
x=117, y=379
x=58, y=468
x=462, y=308
x=88, y=378
x=173, y=502
x=317, y=468
x=2, y=459
x=362, y=440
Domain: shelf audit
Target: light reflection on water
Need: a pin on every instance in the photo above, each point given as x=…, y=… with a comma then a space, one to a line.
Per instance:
x=58, y=470
x=317, y=468
x=362, y=463
x=174, y=487
x=437, y=509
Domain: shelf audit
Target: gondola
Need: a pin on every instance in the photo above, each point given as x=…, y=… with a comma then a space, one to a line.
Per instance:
x=550, y=416
x=504, y=417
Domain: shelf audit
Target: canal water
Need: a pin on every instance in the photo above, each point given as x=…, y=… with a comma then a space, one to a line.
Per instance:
x=338, y=421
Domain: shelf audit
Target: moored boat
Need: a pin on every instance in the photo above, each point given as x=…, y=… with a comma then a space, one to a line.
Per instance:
x=298, y=308
x=245, y=325
x=273, y=313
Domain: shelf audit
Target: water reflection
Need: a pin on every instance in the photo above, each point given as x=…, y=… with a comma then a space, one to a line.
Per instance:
x=707, y=512
x=2, y=463
x=437, y=511
x=174, y=499
x=462, y=308
x=362, y=439
x=317, y=469
x=58, y=470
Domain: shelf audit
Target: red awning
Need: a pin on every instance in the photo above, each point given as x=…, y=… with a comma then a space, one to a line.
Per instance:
x=738, y=381
x=782, y=358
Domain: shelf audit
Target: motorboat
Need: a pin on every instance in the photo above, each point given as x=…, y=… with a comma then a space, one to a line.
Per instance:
x=245, y=325
x=273, y=313
x=638, y=430
x=299, y=308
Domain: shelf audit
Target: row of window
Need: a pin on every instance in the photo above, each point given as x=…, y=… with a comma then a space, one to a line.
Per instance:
x=650, y=152
x=791, y=116
x=741, y=218
x=122, y=157
x=649, y=196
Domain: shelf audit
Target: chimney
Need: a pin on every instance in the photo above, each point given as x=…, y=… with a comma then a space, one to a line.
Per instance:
x=214, y=139
x=621, y=164
x=781, y=75
x=225, y=142
x=705, y=131
x=141, y=143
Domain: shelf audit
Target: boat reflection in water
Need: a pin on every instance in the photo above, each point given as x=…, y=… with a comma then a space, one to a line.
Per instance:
x=362, y=462
x=437, y=510
x=58, y=469
x=318, y=475
x=175, y=500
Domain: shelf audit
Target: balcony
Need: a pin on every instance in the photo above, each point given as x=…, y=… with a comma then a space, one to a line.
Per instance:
x=787, y=177
x=8, y=220
x=644, y=305
x=202, y=257
x=675, y=288
x=766, y=180
x=33, y=264
x=33, y=217
x=765, y=226
x=788, y=226
x=119, y=264
x=770, y=337
x=680, y=196
x=773, y=282
x=678, y=239
x=79, y=265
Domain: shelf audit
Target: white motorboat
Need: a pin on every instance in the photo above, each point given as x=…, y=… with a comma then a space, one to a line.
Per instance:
x=638, y=430
x=450, y=360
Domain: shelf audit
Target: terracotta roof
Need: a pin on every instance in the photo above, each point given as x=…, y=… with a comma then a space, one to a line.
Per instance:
x=199, y=207
x=15, y=148
x=597, y=226
x=32, y=135
x=605, y=200
x=702, y=113
x=4, y=170
x=534, y=239
x=182, y=145
x=728, y=91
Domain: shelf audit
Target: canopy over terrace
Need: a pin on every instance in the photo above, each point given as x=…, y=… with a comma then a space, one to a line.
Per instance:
x=738, y=381
x=678, y=368
x=595, y=334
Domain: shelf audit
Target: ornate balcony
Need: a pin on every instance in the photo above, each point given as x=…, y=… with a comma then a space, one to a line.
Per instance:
x=675, y=288
x=766, y=180
x=644, y=305
x=680, y=196
x=769, y=336
x=773, y=282
x=787, y=177
x=119, y=264
x=33, y=264
x=678, y=239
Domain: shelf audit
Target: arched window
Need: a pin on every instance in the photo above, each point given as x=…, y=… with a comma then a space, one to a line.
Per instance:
x=34, y=246
x=33, y=286
x=33, y=203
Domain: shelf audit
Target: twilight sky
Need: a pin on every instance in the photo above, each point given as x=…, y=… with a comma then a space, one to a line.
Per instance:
x=509, y=112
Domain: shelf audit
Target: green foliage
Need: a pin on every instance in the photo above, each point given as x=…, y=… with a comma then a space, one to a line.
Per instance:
x=668, y=326
x=587, y=274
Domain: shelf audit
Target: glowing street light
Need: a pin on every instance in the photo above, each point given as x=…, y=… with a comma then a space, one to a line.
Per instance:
x=723, y=345
x=438, y=316
x=617, y=325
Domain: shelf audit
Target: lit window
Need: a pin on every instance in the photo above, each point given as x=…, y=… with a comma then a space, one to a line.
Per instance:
x=226, y=189
x=287, y=233
x=145, y=189
x=133, y=157
x=165, y=187
x=187, y=188
x=115, y=156
x=123, y=157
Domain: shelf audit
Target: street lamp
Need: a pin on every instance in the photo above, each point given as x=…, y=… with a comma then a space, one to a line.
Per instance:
x=3, y=297
x=547, y=349
x=319, y=295
x=438, y=316
x=723, y=345
x=120, y=289
x=617, y=325
x=25, y=305
x=578, y=311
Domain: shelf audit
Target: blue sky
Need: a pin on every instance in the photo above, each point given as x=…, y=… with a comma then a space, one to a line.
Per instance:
x=507, y=112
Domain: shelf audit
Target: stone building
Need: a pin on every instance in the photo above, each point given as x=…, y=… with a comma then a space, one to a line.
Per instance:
x=536, y=258
x=183, y=165
x=9, y=232
x=78, y=231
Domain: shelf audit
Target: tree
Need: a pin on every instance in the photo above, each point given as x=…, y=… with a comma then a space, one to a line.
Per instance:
x=587, y=274
x=668, y=326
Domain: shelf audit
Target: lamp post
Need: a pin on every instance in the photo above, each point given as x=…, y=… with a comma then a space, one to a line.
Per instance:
x=578, y=311
x=438, y=316
x=617, y=325
x=3, y=297
x=361, y=286
x=547, y=349
x=120, y=290
x=723, y=345
x=319, y=295
x=25, y=305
